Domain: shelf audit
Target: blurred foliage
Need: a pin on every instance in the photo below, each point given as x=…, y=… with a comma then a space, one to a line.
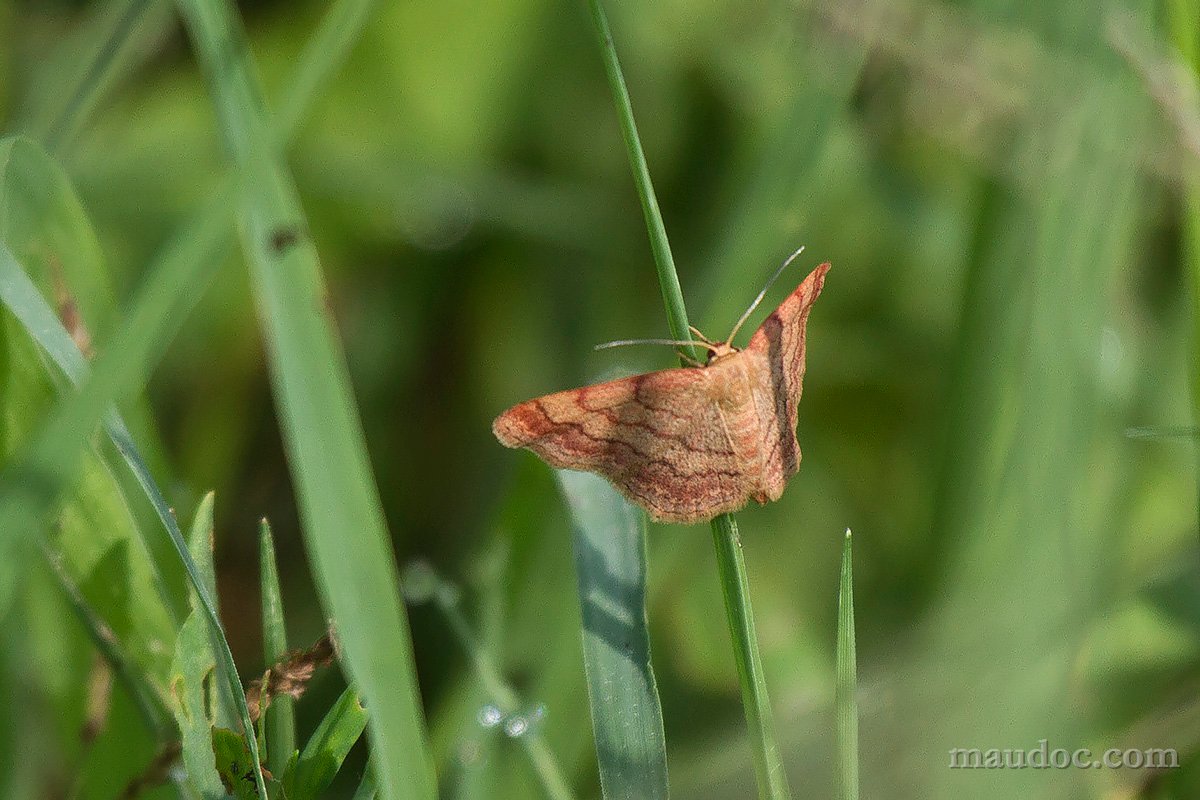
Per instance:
x=998, y=186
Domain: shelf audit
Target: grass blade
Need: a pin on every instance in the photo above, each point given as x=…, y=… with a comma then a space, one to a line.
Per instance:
x=847, y=680
x=32, y=482
x=609, y=537
x=664, y=261
x=327, y=749
x=207, y=234
x=771, y=778
x=731, y=565
x=280, y=714
x=192, y=669
x=343, y=525
x=113, y=34
x=146, y=696
x=366, y=789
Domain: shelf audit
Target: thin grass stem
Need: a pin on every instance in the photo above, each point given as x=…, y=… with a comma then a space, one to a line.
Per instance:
x=769, y=772
x=847, y=681
x=668, y=278
x=735, y=585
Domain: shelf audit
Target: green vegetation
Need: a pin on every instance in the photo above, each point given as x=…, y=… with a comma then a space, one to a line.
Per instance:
x=286, y=262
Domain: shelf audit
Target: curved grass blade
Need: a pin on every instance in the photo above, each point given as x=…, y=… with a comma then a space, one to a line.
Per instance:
x=609, y=538
x=208, y=232
x=343, y=525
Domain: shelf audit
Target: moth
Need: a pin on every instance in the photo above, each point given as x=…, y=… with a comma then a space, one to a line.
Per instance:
x=690, y=443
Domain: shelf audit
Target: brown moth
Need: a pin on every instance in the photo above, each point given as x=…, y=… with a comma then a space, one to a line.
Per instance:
x=691, y=443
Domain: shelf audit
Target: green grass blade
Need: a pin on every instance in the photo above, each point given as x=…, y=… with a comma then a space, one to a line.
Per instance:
x=847, y=681
x=731, y=565
x=343, y=525
x=201, y=540
x=366, y=789
x=610, y=562
x=208, y=234
x=664, y=261
x=772, y=780
x=194, y=666
x=113, y=33
x=124, y=363
x=422, y=584
x=147, y=698
x=327, y=749
x=280, y=714
x=200, y=544
x=326, y=51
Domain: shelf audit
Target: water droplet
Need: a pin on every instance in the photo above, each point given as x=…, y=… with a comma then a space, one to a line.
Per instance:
x=489, y=716
x=516, y=726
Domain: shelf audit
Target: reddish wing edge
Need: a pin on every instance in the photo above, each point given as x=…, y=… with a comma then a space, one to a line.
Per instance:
x=781, y=339
x=792, y=315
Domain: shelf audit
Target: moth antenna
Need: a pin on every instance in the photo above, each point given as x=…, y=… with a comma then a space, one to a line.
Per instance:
x=700, y=335
x=670, y=342
x=763, y=294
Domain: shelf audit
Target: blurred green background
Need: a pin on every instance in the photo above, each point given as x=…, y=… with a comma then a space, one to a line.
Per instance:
x=1006, y=193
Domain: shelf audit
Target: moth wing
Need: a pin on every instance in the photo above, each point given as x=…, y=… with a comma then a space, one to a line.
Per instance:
x=777, y=351
x=659, y=437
